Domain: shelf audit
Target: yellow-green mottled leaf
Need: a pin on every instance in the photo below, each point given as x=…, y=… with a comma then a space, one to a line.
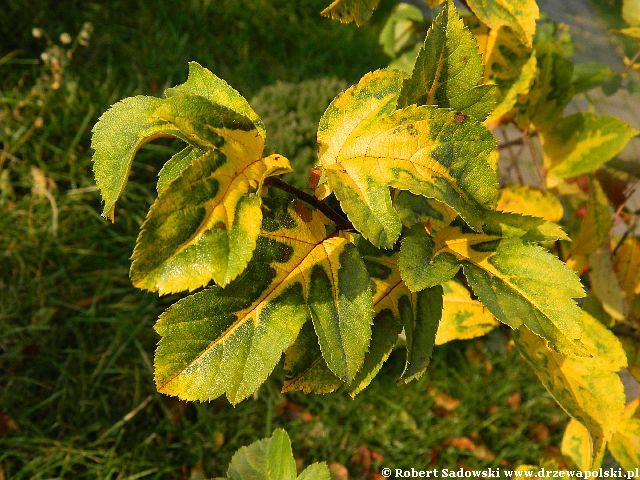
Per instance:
x=367, y=147
x=518, y=15
x=229, y=340
x=448, y=70
x=508, y=63
x=625, y=442
x=205, y=224
x=521, y=284
x=604, y=284
x=463, y=318
x=582, y=142
x=578, y=446
x=587, y=388
x=267, y=459
x=347, y=11
x=529, y=201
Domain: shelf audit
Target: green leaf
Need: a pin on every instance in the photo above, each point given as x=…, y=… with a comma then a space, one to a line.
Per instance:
x=421, y=149
x=582, y=142
x=520, y=284
x=519, y=15
x=448, y=71
x=414, y=209
x=587, y=388
x=633, y=32
x=205, y=84
x=524, y=227
x=347, y=11
x=229, y=340
x=587, y=76
x=306, y=371
x=552, y=87
x=316, y=471
x=400, y=30
x=393, y=304
x=177, y=164
x=418, y=267
x=204, y=225
x=267, y=459
x=420, y=319
x=463, y=318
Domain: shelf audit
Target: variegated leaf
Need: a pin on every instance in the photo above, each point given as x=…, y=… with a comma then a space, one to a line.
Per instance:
x=552, y=88
x=395, y=307
x=229, y=340
x=347, y=11
x=212, y=209
x=582, y=142
x=587, y=388
x=204, y=225
x=520, y=284
x=448, y=71
x=509, y=64
x=526, y=200
x=519, y=15
x=367, y=147
x=463, y=318
x=578, y=446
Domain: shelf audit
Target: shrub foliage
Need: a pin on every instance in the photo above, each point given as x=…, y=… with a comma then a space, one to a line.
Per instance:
x=411, y=238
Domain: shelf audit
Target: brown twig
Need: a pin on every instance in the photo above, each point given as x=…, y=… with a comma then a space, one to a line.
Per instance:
x=342, y=223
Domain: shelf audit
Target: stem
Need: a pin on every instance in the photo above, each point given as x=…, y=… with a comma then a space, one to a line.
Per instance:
x=517, y=141
x=342, y=223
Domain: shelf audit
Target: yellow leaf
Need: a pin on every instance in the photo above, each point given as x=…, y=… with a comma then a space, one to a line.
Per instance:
x=529, y=201
x=462, y=317
x=519, y=15
x=578, y=446
x=587, y=388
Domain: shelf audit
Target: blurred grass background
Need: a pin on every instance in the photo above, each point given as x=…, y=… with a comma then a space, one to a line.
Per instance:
x=77, y=398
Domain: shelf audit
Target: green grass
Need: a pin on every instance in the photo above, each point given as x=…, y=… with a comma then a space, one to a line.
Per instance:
x=77, y=398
